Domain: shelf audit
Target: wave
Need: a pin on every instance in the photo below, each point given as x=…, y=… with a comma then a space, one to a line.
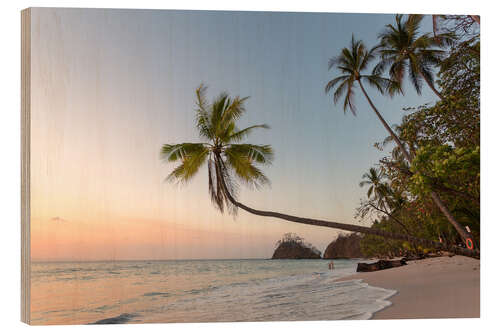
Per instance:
x=378, y=304
x=121, y=319
x=157, y=294
x=268, y=291
x=298, y=297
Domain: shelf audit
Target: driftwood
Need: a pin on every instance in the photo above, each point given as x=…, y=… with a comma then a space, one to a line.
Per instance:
x=381, y=264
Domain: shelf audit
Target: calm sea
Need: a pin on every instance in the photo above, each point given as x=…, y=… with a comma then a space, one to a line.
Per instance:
x=199, y=291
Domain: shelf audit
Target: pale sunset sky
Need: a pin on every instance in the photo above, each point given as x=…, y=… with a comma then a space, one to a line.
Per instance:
x=109, y=87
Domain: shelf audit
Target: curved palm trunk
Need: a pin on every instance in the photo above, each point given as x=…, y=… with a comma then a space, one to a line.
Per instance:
x=461, y=230
x=438, y=94
x=336, y=225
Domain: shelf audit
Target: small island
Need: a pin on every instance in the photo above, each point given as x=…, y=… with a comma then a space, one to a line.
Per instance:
x=292, y=246
x=344, y=247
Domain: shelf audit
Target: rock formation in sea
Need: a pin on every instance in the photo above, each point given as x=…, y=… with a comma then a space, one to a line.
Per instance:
x=292, y=246
x=344, y=247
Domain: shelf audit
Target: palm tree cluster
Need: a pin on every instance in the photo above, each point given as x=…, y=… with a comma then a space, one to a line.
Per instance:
x=402, y=51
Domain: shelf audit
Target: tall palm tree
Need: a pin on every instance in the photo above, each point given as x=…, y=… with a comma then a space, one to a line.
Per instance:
x=352, y=62
x=230, y=161
x=406, y=51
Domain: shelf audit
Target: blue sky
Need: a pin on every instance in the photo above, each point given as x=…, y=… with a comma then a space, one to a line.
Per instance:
x=111, y=86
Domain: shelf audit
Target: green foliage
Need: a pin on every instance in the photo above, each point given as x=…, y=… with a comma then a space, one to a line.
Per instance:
x=456, y=169
x=352, y=63
x=443, y=140
x=226, y=157
x=455, y=119
x=408, y=52
x=290, y=237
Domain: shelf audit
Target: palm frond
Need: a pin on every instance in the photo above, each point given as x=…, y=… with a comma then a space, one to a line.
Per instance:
x=217, y=110
x=245, y=170
x=369, y=192
x=225, y=183
x=262, y=154
x=397, y=70
x=189, y=167
x=412, y=23
x=426, y=72
x=241, y=134
x=349, y=97
x=215, y=189
x=202, y=115
x=175, y=152
x=332, y=83
x=368, y=56
x=340, y=90
x=377, y=82
x=414, y=74
x=234, y=110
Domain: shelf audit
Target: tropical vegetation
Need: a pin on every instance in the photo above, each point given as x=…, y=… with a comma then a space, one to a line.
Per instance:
x=424, y=195
x=443, y=140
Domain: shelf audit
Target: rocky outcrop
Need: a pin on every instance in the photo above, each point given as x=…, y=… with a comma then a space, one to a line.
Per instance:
x=291, y=246
x=291, y=250
x=344, y=247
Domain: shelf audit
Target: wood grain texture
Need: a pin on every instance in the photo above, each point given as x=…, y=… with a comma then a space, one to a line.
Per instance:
x=25, y=162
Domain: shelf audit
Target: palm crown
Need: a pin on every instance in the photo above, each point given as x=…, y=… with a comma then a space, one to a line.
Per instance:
x=405, y=50
x=227, y=158
x=352, y=63
x=374, y=179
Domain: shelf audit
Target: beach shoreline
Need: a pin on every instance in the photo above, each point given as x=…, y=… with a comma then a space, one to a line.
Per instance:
x=442, y=287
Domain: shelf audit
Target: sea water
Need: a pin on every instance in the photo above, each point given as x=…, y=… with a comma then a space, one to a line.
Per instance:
x=199, y=291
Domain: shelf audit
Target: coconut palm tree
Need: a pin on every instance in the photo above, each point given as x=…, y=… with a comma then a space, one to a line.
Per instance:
x=406, y=51
x=230, y=162
x=352, y=63
x=377, y=189
x=381, y=197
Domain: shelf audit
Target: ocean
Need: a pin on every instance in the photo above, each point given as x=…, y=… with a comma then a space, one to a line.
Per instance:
x=199, y=291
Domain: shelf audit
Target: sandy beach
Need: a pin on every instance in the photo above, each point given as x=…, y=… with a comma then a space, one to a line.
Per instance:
x=444, y=287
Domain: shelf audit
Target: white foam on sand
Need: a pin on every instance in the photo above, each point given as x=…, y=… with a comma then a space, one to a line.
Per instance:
x=311, y=297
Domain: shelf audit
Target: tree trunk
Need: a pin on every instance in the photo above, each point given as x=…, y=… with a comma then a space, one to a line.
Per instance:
x=387, y=127
x=461, y=230
x=401, y=224
x=343, y=226
x=438, y=94
x=435, y=25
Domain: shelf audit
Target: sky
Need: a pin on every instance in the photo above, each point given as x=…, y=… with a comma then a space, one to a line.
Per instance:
x=109, y=87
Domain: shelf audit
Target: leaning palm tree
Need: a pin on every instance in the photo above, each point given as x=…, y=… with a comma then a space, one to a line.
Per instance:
x=230, y=162
x=352, y=63
x=406, y=51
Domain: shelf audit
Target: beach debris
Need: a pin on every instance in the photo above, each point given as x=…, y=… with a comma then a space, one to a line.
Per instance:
x=379, y=265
